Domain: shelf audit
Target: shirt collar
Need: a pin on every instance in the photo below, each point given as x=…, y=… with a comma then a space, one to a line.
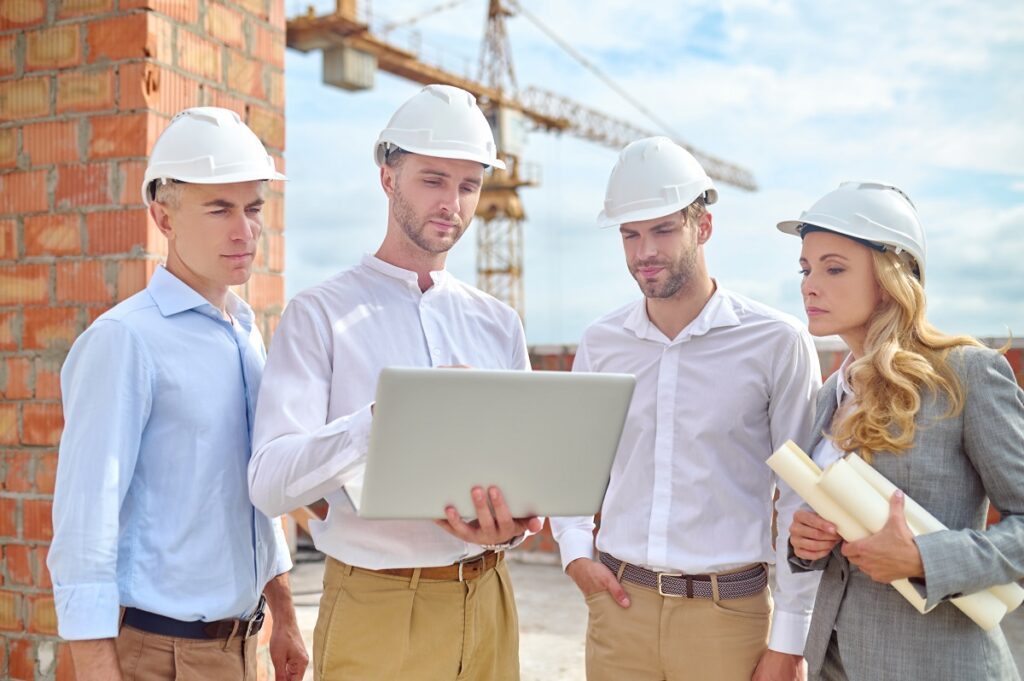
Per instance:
x=173, y=296
x=843, y=389
x=396, y=272
x=717, y=312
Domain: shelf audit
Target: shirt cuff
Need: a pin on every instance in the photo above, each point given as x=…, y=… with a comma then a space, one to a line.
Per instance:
x=87, y=611
x=576, y=544
x=789, y=632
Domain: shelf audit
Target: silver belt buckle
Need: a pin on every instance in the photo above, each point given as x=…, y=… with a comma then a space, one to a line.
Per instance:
x=668, y=574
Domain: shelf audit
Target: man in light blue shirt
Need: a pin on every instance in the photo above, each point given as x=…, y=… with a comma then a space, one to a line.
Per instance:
x=160, y=564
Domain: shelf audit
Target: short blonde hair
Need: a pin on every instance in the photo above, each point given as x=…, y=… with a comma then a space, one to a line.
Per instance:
x=168, y=193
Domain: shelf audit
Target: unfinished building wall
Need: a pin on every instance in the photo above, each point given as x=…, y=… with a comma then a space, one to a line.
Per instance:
x=86, y=86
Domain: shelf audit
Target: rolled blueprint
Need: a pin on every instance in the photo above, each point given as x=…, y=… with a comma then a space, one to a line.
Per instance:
x=855, y=498
x=802, y=474
x=923, y=522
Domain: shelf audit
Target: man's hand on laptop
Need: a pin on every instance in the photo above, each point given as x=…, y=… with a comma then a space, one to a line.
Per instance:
x=591, y=577
x=490, y=527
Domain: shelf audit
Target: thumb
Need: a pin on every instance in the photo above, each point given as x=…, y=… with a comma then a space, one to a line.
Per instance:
x=896, y=506
x=617, y=592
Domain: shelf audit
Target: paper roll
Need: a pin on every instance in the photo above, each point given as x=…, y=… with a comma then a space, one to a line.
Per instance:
x=802, y=474
x=923, y=522
x=855, y=498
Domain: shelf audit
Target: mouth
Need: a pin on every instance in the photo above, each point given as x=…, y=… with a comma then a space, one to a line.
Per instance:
x=649, y=272
x=815, y=311
x=238, y=257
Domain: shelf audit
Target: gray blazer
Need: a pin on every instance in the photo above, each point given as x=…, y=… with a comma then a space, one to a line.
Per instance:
x=954, y=464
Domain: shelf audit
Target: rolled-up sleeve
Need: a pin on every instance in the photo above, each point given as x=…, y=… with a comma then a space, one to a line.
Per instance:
x=106, y=384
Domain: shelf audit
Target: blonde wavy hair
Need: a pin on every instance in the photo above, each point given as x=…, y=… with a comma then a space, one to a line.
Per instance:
x=904, y=357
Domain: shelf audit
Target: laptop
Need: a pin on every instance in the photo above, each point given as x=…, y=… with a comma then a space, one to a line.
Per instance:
x=546, y=438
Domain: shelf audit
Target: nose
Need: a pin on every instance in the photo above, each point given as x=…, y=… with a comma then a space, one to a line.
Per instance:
x=244, y=228
x=647, y=248
x=808, y=286
x=450, y=204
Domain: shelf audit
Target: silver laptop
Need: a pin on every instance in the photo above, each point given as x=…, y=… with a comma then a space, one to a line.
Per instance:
x=546, y=438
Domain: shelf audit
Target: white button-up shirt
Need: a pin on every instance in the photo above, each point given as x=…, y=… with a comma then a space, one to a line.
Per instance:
x=313, y=417
x=689, y=489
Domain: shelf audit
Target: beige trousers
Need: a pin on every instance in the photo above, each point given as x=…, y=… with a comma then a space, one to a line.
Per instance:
x=664, y=638
x=373, y=627
x=151, y=657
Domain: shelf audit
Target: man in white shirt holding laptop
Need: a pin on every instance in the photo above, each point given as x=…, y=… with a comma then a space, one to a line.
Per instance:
x=678, y=589
x=402, y=599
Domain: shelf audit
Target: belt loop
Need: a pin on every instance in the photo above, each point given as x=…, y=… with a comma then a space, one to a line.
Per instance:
x=346, y=569
x=714, y=588
x=622, y=568
x=689, y=586
x=234, y=629
x=120, y=618
x=415, y=580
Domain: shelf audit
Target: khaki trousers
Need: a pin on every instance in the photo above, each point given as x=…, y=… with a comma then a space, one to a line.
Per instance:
x=664, y=638
x=373, y=627
x=151, y=657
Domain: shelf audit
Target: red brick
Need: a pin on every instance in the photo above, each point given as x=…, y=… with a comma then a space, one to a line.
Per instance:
x=123, y=37
x=131, y=174
x=53, y=234
x=269, y=45
x=47, y=374
x=53, y=48
x=37, y=514
x=275, y=88
x=42, y=574
x=225, y=25
x=119, y=136
x=268, y=126
x=149, y=86
x=185, y=10
x=49, y=327
x=85, y=91
x=274, y=251
x=42, y=423
x=23, y=192
x=18, y=559
x=10, y=331
x=76, y=8
x=8, y=55
x=24, y=98
x=8, y=436
x=19, y=466
x=257, y=7
x=51, y=142
x=273, y=209
x=83, y=282
x=22, y=659
x=265, y=290
x=8, y=240
x=65, y=665
x=277, y=19
x=198, y=55
x=83, y=185
x=16, y=378
x=227, y=101
x=42, y=617
x=46, y=472
x=8, y=517
x=132, y=277
x=119, y=231
x=20, y=13
x=244, y=75
x=8, y=147
x=24, y=284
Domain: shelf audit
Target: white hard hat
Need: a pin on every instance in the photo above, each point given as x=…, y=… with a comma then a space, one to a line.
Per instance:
x=442, y=121
x=653, y=177
x=208, y=145
x=876, y=213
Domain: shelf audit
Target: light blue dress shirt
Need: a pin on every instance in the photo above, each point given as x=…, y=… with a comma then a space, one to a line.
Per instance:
x=151, y=508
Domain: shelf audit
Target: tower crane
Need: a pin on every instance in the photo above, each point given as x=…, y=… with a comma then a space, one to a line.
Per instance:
x=353, y=53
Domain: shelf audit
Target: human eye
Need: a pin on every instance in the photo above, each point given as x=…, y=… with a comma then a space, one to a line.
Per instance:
x=804, y=271
x=254, y=210
x=835, y=270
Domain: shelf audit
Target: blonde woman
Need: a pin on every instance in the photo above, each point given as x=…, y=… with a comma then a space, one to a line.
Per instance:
x=940, y=416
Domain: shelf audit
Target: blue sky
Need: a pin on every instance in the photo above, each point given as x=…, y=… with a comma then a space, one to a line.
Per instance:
x=929, y=96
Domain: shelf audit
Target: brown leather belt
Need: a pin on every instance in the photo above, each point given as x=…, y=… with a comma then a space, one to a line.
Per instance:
x=730, y=585
x=463, y=571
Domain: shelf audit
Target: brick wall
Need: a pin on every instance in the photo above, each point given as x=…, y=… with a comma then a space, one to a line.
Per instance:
x=86, y=86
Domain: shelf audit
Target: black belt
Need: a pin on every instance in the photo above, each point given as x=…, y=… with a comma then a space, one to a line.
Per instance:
x=167, y=626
